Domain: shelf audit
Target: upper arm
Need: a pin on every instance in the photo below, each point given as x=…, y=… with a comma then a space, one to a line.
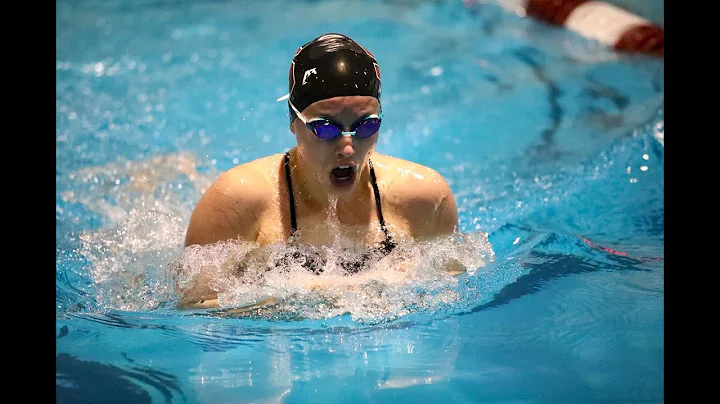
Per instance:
x=446, y=215
x=228, y=210
x=432, y=207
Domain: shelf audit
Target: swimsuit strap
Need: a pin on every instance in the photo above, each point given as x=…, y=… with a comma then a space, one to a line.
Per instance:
x=377, y=199
x=376, y=191
x=293, y=219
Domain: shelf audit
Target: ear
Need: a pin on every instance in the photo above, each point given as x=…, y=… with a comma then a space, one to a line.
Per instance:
x=292, y=126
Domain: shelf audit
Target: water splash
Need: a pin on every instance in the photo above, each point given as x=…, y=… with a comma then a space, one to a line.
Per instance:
x=143, y=206
x=259, y=282
x=136, y=260
x=168, y=183
x=128, y=264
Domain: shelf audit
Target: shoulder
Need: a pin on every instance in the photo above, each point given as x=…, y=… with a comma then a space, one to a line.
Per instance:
x=246, y=182
x=419, y=193
x=232, y=204
x=411, y=180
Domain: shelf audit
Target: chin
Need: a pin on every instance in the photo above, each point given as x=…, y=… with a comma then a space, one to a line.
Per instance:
x=341, y=186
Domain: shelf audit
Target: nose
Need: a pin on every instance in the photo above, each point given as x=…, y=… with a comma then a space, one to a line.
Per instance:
x=346, y=148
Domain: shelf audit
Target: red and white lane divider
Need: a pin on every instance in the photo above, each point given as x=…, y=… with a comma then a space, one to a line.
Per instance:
x=598, y=20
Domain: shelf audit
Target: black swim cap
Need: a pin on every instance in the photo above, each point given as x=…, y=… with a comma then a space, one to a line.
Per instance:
x=331, y=65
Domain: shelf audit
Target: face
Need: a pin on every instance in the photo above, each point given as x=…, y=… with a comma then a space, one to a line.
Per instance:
x=338, y=162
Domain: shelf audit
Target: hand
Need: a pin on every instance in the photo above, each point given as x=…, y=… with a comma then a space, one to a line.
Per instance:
x=317, y=285
x=454, y=267
x=198, y=304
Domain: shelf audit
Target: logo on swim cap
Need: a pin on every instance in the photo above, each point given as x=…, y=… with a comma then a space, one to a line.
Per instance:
x=307, y=74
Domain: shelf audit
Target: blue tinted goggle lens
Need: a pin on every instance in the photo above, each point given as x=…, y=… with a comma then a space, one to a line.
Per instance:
x=328, y=131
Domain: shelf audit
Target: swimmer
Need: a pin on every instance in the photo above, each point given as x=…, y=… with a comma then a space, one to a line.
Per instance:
x=378, y=201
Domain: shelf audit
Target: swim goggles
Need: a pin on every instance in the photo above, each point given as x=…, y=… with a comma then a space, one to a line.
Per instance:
x=326, y=130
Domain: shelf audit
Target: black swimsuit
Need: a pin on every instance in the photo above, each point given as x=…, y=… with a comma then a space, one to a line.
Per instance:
x=313, y=261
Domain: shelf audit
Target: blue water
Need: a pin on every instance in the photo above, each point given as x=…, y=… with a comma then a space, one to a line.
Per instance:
x=552, y=144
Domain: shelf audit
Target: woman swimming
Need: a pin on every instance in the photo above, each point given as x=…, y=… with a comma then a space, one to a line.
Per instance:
x=378, y=200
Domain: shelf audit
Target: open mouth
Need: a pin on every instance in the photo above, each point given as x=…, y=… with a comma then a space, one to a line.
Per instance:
x=342, y=175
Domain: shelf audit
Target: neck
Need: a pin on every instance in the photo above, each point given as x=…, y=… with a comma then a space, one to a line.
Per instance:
x=314, y=194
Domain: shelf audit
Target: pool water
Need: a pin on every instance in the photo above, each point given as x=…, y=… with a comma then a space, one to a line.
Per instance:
x=553, y=146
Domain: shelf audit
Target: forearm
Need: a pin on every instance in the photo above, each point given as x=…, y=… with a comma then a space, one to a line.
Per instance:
x=198, y=304
x=453, y=267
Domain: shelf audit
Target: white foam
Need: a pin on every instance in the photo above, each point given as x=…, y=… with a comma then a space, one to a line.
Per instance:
x=409, y=280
